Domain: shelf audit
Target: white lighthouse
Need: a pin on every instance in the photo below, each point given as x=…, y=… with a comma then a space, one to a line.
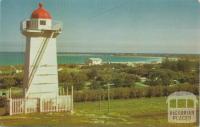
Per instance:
x=40, y=75
x=40, y=70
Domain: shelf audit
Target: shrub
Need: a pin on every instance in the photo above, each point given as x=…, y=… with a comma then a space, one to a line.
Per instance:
x=3, y=101
x=127, y=92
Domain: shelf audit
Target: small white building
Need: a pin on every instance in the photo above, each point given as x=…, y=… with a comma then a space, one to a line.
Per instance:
x=94, y=61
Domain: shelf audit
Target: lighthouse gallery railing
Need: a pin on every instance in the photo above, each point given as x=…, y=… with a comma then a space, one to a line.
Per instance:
x=56, y=26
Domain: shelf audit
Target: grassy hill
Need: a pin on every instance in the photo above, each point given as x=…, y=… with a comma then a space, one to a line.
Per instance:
x=143, y=112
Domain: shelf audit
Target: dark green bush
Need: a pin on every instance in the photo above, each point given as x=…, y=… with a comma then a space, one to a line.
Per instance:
x=127, y=92
x=3, y=101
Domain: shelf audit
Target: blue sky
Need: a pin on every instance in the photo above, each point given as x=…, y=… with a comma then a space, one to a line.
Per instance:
x=134, y=26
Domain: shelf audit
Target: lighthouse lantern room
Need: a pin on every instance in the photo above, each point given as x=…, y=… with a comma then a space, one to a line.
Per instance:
x=40, y=19
x=40, y=69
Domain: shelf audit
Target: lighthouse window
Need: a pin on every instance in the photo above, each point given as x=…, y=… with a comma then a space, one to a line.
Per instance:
x=42, y=22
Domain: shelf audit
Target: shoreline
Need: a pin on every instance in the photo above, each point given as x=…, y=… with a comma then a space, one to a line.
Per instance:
x=18, y=58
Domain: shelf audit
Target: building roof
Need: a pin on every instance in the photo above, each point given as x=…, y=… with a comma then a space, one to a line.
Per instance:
x=95, y=59
x=40, y=13
x=181, y=95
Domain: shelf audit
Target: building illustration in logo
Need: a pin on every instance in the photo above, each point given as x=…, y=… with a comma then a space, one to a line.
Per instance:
x=182, y=107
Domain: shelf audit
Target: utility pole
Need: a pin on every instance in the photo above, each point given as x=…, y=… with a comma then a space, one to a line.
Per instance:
x=108, y=92
x=108, y=98
x=100, y=95
x=100, y=103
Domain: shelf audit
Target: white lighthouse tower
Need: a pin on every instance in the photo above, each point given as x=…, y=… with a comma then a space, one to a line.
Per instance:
x=40, y=70
x=40, y=75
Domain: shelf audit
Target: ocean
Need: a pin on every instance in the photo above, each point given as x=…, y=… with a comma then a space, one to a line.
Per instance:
x=16, y=58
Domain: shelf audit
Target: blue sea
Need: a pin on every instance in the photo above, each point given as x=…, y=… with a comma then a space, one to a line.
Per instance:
x=15, y=58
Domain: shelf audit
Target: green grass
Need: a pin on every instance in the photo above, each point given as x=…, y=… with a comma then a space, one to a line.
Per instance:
x=140, y=85
x=151, y=112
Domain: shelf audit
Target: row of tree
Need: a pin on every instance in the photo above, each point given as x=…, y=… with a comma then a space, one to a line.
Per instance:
x=128, y=93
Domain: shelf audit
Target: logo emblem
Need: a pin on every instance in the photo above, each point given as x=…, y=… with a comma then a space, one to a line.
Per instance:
x=182, y=107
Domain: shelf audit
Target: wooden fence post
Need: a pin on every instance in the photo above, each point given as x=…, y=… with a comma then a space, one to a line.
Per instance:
x=25, y=105
x=63, y=91
x=40, y=101
x=67, y=91
x=10, y=106
x=57, y=104
x=72, y=95
x=10, y=93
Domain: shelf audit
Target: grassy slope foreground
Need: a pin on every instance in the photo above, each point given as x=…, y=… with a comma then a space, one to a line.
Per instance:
x=144, y=112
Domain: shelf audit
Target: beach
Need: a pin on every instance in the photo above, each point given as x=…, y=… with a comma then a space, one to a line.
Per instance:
x=17, y=58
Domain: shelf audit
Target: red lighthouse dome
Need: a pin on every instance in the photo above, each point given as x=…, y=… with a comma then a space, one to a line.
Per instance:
x=41, y=13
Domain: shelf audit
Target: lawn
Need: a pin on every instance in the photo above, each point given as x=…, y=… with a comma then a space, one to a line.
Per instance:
x=144, y=112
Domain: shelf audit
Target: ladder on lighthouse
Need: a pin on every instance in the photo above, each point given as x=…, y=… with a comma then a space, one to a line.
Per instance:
x=36, y=62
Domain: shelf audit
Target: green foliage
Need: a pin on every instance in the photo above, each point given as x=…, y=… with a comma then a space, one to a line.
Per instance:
x=77, y=79
x=92, y=73
x=8, y=82
x=3, y=101
x=126, y=93
x=161, y=77
x=170, y=72
x=184, y=65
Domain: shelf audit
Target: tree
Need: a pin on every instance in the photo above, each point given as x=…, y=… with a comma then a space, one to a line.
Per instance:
x=78, y=79
x=161, y=77
x=184, y=65
x=92, y=73
x=19, y=79
x=8, y=82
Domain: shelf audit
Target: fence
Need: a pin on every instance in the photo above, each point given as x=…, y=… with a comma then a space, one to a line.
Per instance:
x=19, y=106
x=61, y=103
x=31, y=105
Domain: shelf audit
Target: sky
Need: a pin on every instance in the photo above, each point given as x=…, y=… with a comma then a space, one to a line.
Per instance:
x=124, y=26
